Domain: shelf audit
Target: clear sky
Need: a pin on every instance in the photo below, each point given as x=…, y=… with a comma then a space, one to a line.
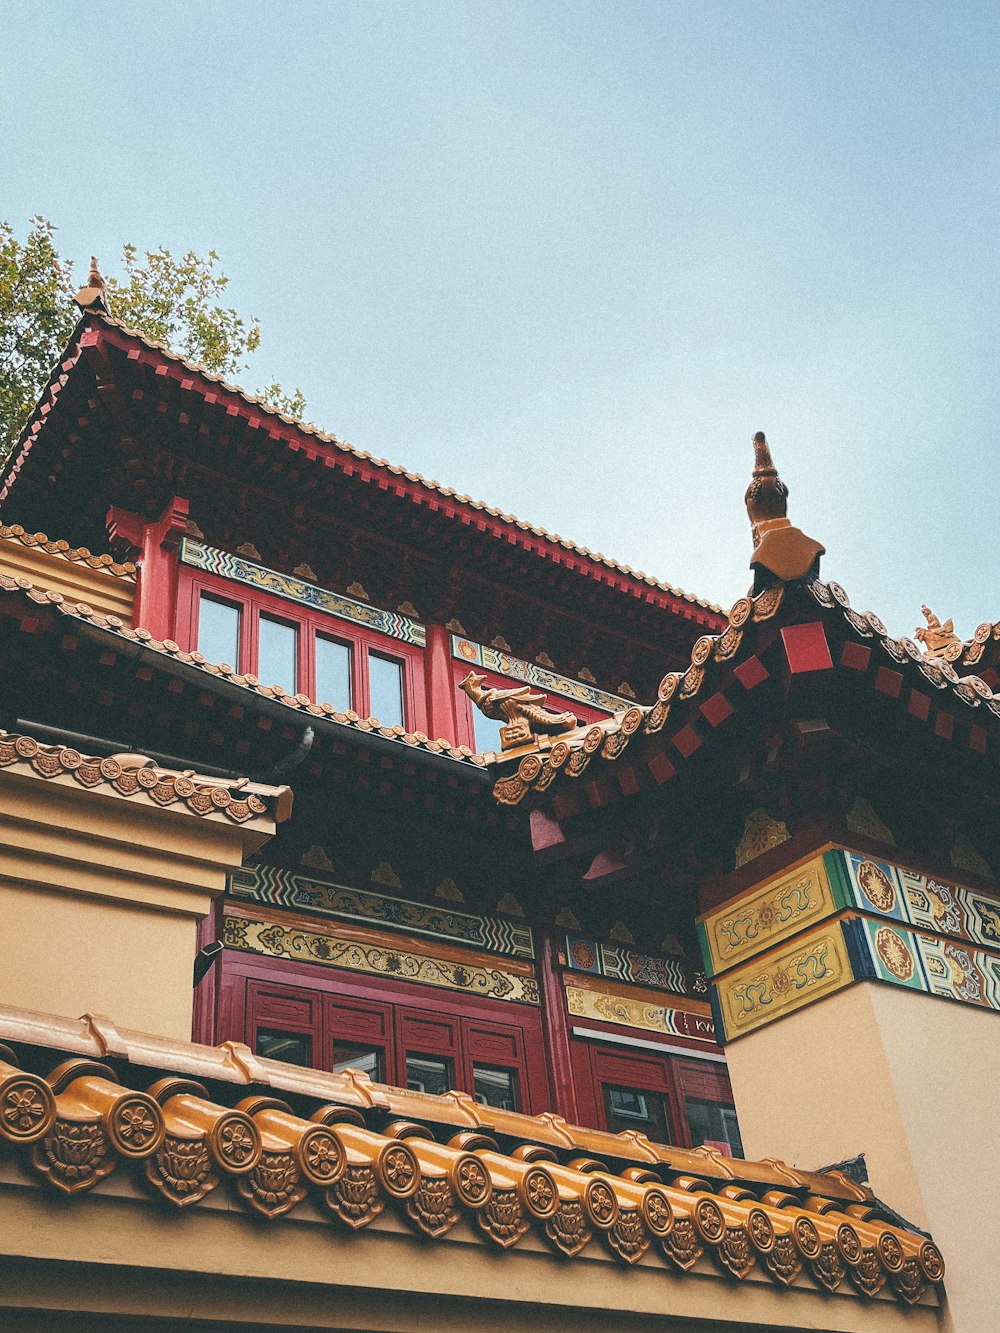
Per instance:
x=568, y=257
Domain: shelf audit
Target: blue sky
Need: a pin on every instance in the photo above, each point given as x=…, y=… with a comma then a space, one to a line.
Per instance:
x=568, y=257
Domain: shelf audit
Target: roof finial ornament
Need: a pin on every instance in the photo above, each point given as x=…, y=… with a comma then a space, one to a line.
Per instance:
x=520, y=709
x=94, y=295
x=781, y=552
x=939, y=640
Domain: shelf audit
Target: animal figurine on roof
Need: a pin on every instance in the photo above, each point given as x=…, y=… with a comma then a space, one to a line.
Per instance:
x=939, y=640
x=521, y=709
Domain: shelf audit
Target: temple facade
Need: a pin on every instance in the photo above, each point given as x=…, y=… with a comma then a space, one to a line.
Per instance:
x=420, y=920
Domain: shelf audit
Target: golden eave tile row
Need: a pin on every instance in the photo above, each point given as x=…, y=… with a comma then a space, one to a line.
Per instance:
x=79, y=554
x=298, y=703
x=79, y=1123
x=238, y=799
x=571, y=754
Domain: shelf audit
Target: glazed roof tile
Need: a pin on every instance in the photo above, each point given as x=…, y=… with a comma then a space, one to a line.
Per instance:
x=300, y=704
x=415, y=478
x=574, y=752
x=79, y=1099
x=238, y=799
x=78, y=554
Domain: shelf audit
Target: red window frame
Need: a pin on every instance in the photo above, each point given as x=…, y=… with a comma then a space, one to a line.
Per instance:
x=598, y=1065
x=262, y=993
x=308, y=622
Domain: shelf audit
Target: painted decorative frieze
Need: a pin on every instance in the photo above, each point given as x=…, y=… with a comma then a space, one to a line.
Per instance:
x=275, y=940
x=619, y=963
x=846, y=916
x=781, y=907
x=769, y=987
x=479, y=654
x=284, y=888
x=252, y=575
x=633, y=1013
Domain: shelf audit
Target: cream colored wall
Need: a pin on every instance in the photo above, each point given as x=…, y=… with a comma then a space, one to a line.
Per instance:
x=911, y=1081
x=100, y=897
x=121, y=1256
x=109, y=594
x=71, y=955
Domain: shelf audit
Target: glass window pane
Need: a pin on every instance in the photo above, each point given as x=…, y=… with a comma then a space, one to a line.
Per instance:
x=219, y=631
x=385, y=679
x=348, y=1055
x=486, y=732
x=428, y=1073
x=495, y=1087
x=333, y=673
x=627, y=1108
x=295, y=1048
x=713, y=1122
x=276, y=654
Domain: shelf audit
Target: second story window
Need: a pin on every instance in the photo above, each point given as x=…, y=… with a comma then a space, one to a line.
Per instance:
x=385, y=678
x=277, y=654
x=333, y=673
x=219, y=631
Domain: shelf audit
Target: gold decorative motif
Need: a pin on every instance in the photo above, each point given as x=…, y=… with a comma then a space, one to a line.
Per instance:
x=520, y=709
x=627, y=1237
x=449, y=892
x=782, y=1262
x=181, y=1170
x=867, y=1274
x=939, y=640
x=544, y=660
x=626, y=690
x=734, y=1254
x=509, y=905
x=828, y=1267
x=806, y=1238
x=760, y=834
x=876, y=886
x=274, y=1186
x=586, y=674
x=895, y=954
x=503, y=1219
x=628, y=1012
x=355, y=1198
x=249, y=551
x=27, y=1108
x=385, y=875
x=409, y=610
x=964, y=856
x=779, y=908
x=471, y=1181
x=303, y=571
x=781, y=982
x=135, y=1125
x=681, y=1247
x=358, y=590
x=566, y=919
x=931, y=1261
x=862, y=818
x=908, y=1284
x=709, y=1221
x=73, y=1156
x=567, y=1227
x=331, y=950
x=619, y=931
x=434, y=1206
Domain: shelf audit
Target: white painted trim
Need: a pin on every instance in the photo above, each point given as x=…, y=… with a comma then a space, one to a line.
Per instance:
x=664, y=1048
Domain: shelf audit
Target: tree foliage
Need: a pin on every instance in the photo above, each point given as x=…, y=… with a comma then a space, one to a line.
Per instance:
x=176, y=301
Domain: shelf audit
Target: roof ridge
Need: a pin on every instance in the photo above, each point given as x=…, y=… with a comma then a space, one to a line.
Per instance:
x=327, y=437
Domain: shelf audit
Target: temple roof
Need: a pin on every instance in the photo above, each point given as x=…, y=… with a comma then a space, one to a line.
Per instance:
x=194, y=665
x=80, y=1099
x=694, y=705
x=76, y=554
x=299, y=435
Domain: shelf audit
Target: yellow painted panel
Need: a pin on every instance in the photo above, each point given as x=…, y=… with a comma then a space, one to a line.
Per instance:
x=763, y=918
x=780, y=982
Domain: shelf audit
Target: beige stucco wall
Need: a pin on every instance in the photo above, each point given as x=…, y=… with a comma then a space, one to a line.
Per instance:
x=120, y=1256
x=911, y=1081
x=101, y=895
x=72, y=955
x=109, y=594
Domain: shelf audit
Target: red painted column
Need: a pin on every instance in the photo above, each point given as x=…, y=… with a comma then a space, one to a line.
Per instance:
x=556, y=1029
x=439, y=684
x=158, y=545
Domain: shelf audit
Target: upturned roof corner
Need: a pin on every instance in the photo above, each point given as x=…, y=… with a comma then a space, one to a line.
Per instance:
x=781, y=552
